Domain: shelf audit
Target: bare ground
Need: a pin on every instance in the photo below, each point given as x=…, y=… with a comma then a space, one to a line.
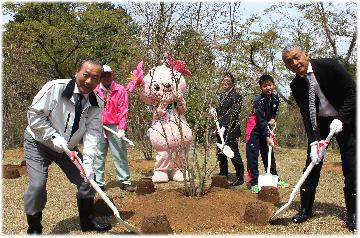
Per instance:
x=219, y=211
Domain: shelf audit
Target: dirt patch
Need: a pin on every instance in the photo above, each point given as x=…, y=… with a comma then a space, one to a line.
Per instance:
x=218, y=210
x=142, y=166
x=333, y=167
x=14, y=153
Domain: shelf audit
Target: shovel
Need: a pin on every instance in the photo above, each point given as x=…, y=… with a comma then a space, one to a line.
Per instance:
x=114, y=132
x=301, y=180
x=77, y=161
x=268, y=179
x=223, y=147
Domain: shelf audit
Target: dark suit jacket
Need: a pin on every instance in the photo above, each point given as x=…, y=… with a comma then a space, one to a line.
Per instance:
x=338, y=87
x=228, y=113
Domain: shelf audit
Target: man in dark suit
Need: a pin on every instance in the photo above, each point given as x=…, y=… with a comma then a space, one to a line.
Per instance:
x=335, y=105
x=228, y=113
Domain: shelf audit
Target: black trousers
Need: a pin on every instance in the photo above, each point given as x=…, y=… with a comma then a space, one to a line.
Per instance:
x=347, y=144
x=233, y=143
x=257, y=143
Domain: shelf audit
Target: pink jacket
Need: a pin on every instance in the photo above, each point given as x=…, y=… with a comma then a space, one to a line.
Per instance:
x=117, y=106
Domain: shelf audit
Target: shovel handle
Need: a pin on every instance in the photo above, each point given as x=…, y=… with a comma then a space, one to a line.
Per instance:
x=269, y=160
x=214, y=115
x=78, y=164
x=114, y=132
x=309, y=168
x=301, y=181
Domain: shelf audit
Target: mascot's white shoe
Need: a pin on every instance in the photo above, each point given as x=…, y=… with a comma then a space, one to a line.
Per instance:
x=179, y=176
x=160, y=177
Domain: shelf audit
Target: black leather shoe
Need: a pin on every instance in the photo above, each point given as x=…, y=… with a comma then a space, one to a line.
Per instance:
x=351, y=222
x=237, y=182
x=302, y=216
x=34, y=222
x=93, y=225
x=127, y=187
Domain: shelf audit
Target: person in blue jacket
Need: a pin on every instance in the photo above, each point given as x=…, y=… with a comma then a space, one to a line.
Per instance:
x=258, y=136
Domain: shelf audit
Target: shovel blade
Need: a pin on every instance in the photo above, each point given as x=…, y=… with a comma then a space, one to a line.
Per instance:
x=226, y=150
x=127, y=225
x=281, y=210
x=268, y=180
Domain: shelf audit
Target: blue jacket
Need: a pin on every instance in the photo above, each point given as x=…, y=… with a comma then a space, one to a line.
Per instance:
x=264, y=109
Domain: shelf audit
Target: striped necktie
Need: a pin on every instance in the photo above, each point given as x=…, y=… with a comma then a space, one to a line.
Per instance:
x=312, y=106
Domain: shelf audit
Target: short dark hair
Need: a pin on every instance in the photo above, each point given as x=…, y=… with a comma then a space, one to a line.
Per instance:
x=265, y=78
x=90, y=60
x=230, y=75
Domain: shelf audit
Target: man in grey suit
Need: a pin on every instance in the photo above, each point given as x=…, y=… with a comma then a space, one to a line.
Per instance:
x=63, y=113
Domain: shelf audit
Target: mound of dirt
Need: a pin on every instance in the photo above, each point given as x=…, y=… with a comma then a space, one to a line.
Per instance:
x=218, y=210
x=11, y=171
x=156, y=225
x=258, y=213
x=145, y=186
x=269, y=194
x=219, y=181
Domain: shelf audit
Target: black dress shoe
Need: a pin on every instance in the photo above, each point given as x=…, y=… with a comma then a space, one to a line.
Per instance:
x=302, y=216
x=351, y=222
x=237, y=182
x=93, y=225
x=34, y=222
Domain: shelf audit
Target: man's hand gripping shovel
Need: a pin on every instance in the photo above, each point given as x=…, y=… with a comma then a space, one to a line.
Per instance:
x=116, y=134
x=77, y=161
x=223, y=147
x=321, y=152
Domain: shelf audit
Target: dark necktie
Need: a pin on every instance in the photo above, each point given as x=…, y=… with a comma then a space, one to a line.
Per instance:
x=312, y=107
x=78, y=109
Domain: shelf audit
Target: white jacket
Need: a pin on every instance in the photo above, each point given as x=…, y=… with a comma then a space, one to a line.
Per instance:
x=52, y=113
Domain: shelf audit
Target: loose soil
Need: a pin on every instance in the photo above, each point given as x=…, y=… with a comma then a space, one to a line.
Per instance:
x=219, y=209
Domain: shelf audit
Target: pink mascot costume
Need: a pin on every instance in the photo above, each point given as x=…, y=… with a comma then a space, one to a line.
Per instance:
x=163, y=88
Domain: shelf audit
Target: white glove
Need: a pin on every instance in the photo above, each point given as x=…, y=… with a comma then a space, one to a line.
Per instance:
x=318, y=151
x=88, y=171
x=314, y=152
x=120, y=134
x=269, y=141
x=322, y=148
x=59, y=142
x=336, y=125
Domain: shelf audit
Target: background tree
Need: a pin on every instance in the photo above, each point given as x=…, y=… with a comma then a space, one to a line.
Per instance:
x=45, y=41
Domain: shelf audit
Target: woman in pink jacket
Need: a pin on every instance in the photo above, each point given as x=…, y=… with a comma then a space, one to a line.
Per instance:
x=115, y=117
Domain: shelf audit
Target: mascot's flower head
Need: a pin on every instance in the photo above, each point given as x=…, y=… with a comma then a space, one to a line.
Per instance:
x=136, y=77
x=178, y=65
